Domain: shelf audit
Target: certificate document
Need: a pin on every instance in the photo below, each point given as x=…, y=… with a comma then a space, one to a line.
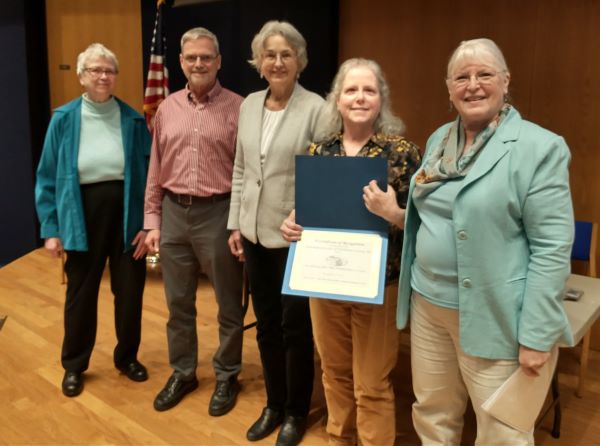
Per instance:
x=343, y=251
x=337, y=264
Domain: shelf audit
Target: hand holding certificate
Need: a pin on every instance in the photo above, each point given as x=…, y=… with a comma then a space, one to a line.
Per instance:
x=343, y=250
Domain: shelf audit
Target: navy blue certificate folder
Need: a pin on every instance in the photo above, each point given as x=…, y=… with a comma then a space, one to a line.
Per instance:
x=343, y=252
x=329, y=192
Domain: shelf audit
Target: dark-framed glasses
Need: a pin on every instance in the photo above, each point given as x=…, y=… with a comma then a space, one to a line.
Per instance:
x=98, y=72
x=191, y=59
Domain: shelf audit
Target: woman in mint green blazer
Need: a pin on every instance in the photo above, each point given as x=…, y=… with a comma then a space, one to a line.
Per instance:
x=487, y=241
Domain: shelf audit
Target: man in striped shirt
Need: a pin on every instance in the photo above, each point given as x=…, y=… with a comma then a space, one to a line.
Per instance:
x=186, y=210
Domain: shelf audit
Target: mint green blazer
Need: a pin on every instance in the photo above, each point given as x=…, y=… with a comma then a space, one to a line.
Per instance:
x=513, y=220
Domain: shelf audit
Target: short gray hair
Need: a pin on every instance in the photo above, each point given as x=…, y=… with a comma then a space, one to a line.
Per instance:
x=332, y=123
x=478, y=49
x=198, y=33
x=93, y=51
x=288, y=32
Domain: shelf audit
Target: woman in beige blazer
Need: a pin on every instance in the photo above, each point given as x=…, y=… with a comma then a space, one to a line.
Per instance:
x=275, y=125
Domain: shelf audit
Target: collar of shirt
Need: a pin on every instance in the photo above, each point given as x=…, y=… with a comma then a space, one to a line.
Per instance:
x=376, y=140
x=213, y=93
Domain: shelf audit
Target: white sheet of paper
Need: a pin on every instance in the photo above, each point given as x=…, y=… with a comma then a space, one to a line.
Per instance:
x=519, y=400
x=337, y=262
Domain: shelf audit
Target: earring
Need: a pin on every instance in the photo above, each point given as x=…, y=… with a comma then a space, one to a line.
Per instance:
x=450, y=106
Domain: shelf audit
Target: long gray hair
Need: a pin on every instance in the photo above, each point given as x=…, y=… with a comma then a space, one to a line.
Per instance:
x=332, y=123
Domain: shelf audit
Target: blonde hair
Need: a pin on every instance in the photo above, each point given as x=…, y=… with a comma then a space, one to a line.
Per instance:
x=332, y=123
x=478, y=49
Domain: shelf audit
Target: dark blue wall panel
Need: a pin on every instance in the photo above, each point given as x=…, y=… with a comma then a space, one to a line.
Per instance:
x=18, y=225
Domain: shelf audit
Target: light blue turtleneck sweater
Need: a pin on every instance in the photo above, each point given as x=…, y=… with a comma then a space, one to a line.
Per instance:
x=101, y=155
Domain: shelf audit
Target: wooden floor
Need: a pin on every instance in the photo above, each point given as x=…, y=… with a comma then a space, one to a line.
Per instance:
x=115, y=411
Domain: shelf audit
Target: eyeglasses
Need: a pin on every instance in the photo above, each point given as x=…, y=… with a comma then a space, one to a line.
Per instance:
x=191, y=59
x=481, y=78
x=98, y=72
x=271, y=56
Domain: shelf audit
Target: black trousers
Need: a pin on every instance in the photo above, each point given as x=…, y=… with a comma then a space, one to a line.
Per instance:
x=283, y=332
x=103, y=209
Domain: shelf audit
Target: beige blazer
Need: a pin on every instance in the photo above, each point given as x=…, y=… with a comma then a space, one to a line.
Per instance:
x=263, y=196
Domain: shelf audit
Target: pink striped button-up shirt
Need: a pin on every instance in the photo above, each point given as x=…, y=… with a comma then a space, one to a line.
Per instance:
x=193, y=148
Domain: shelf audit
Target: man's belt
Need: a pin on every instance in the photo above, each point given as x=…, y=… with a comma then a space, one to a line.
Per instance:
x=188, y=200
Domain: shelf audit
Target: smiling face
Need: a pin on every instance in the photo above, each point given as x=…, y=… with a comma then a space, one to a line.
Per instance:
x=477, y=90
x=359, y=102
x=200, y=64
x=279, y=62
x=98, y=78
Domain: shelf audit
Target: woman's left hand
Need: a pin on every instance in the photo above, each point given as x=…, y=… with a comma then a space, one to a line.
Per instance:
x=531, y=360
x=140, y=246
x=383, y=204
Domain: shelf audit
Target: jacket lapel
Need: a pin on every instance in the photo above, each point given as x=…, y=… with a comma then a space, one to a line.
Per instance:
x=496, y=147
x=273, y=159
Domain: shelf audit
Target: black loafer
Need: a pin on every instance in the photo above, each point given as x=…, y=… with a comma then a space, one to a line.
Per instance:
x=224, y=397
x=291, y=432
x=267, y=422
x=135, y=371
x=173, y=392
x=72, y=384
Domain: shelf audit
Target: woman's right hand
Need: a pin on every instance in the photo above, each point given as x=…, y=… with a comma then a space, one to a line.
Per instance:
x=291, y=231
x=54, y=246
x=235, y=245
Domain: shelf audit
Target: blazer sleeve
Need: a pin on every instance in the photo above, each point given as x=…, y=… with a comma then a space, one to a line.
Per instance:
x=549, y=227
x=233, y=222
x=45, y=185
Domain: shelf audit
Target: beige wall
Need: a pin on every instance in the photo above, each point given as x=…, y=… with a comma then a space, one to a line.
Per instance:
x=73, y=24
x=551, y=47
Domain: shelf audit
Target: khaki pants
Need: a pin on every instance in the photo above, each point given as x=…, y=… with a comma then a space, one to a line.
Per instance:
x=358, y=345
x=444, y=377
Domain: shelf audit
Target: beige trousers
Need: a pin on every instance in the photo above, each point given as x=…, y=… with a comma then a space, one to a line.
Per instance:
x=358, y=346
x=444, y=377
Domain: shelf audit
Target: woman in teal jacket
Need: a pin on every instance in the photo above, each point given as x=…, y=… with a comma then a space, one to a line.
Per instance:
x=89, y=198
x=487, y=241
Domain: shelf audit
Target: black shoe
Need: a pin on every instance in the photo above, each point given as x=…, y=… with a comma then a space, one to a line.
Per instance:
x=135, y=371
x=224, y=397
x=72, y=384
x=173, y=392
x=291, y=432
x=267, y=422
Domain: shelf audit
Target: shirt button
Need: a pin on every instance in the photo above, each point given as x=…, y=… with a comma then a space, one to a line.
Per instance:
x=462, y=235
x=258, y=183
x=466, y=283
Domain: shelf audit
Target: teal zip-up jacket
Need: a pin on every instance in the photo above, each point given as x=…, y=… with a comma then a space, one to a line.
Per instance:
x=513, y=222
x=57, y=190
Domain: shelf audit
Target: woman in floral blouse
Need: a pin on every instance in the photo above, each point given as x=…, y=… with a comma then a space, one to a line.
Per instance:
x=358, y=342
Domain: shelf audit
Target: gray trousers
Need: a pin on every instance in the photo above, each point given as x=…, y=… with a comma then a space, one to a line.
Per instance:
x=194, y=239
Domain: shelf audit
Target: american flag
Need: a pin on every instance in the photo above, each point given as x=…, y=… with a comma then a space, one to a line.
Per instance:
x=157, y=85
